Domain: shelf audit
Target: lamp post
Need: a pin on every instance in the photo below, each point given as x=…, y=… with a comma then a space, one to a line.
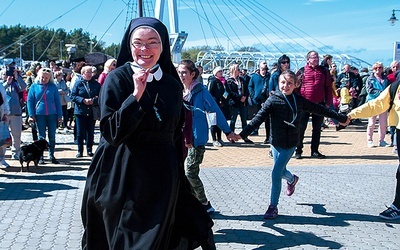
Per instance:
x=33, y=52
x=20, y=51
x=393, y=18
x=61, y=42
x=91, y=45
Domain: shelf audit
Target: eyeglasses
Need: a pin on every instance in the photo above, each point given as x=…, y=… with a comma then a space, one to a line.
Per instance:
x=379, y=68
x=46, y=70
x=150, y=45
x=285, y=62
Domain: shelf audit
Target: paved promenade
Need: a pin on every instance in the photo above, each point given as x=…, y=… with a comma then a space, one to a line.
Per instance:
x=335, y=205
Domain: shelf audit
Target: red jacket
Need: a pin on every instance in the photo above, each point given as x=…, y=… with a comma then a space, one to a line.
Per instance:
x=316, y=85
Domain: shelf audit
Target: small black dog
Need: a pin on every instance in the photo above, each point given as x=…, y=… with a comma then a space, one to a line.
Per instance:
x=32, y=152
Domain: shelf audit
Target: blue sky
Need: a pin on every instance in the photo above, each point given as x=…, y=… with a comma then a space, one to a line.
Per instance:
x=356, y=27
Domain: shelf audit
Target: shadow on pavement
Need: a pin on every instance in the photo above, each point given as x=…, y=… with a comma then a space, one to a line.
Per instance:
x=271, y=241
x=29, y=191
x=56, y=177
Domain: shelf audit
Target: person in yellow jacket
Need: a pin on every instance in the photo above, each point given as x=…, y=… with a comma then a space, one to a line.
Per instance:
x=375, y=107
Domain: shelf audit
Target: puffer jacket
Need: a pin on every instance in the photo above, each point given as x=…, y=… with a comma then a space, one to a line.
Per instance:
x=316, y=85
x=285, y=135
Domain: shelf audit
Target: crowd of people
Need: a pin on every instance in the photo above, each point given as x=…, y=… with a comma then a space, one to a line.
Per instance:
x=53, y=98
x=148, y=106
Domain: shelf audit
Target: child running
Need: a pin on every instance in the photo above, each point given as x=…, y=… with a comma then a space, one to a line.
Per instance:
x=284, y=108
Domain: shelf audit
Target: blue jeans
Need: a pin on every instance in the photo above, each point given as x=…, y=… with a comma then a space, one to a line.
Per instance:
x=84, y=131
x=50, y=122
x=279, y=171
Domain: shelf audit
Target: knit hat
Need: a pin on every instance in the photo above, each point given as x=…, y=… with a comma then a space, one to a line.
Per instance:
x=218, y=68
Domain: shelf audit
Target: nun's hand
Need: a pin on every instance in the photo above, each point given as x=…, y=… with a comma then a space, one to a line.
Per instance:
x=140, y=83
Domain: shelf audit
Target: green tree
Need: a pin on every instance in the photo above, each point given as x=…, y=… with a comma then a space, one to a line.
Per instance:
x=45, y=44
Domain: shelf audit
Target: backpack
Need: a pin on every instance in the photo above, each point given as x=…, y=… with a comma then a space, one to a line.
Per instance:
x=393, y=89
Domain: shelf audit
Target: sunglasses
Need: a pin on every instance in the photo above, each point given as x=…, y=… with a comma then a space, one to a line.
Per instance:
x=47, y=70
x=285, y=62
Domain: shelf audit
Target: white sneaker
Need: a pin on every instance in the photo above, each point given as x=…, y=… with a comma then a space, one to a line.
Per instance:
x=370, y=144
x=4, y=163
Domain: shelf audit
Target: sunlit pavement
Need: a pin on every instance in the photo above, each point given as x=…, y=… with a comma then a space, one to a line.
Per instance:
x=335, y=204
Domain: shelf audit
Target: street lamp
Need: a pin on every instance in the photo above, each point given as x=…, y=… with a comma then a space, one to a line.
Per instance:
x=71, y=50
x=20, y=51
x=61, y=42
x=91, y=45
x=33, y=52
x=393, y=18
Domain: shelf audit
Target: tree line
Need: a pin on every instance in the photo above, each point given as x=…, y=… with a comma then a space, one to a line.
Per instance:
x=42, y=44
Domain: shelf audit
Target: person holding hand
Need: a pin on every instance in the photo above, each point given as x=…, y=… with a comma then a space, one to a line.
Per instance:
x=198, y=102
x=384, y=103
x=136, y=194
x=284, y=108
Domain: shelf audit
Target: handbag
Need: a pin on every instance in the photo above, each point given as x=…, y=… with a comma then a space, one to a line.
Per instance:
x=96, y=113
x=211, y=118
x=5, y=136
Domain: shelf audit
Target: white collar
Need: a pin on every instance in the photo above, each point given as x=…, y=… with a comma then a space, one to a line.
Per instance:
x=156, y=74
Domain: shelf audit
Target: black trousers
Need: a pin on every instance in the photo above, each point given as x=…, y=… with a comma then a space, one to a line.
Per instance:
x=316, y=121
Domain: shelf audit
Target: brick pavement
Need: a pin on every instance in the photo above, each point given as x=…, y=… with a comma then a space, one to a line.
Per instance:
x=347, y=146
x=335, y=204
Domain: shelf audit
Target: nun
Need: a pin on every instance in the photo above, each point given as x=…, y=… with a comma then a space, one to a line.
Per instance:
x=136, y=194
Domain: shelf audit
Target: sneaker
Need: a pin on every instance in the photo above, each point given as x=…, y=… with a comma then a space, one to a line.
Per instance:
x=271, y=213
x=221, y=142
x=248, y=141
x=383, y=144
x=90, y=154
x=391, y=213
x=266, y=141
x=79, y=155
x=340, y=127
x=394, y=151
x=217, y=144
x=370, y=144
x=16, y=157
x=270, y=154
x=291, y=187
x=55, y=161
x=4, y=163
x=209, y=209
x=317, y=155
x=298, y=156
x=41, y=162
